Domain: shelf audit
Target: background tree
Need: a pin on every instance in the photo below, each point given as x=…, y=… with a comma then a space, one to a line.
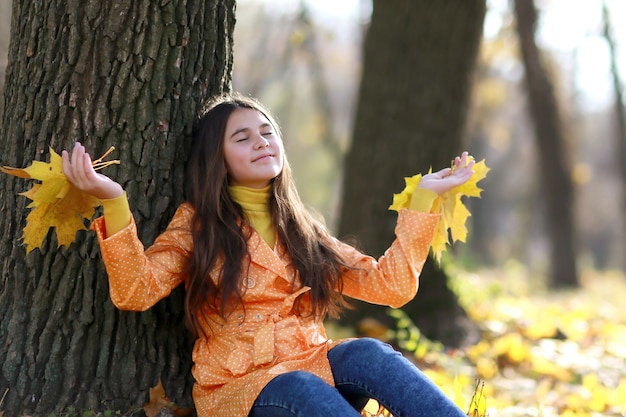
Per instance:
x=554, y=163
x=129, y=74
x=620, y=113
x=417, y=74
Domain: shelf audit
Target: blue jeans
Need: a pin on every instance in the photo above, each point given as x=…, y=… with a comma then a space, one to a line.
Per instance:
x=363, y=369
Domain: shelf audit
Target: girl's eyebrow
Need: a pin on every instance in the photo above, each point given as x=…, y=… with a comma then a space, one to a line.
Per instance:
x=244, y=129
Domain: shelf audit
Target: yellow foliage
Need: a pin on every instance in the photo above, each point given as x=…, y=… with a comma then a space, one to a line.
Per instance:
x=618, y=396
x=575, y=413
x=454, y=214
x=575, y=402
x=513, y=347
x=540, y=329
x=457, y=394
x=547, y=367
x=55, y=202
x=486, y=368
x=403, y=199
x=479, y=349
x=600, y=395
x=542, y=354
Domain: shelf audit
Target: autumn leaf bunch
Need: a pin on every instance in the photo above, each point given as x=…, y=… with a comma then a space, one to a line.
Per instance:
x=453, y=212
x=55, y=201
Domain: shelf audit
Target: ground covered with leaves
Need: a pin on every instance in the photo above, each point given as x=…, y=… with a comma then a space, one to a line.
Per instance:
x=542, y=353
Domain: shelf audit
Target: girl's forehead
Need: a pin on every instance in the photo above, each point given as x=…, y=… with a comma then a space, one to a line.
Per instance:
x=247, y=116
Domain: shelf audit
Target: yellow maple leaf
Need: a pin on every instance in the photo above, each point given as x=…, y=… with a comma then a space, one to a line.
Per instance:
x=55, y=201
x=454, y=214
x=403, y=199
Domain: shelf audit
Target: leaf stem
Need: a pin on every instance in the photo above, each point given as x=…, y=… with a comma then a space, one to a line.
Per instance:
x=99, y=164
x=105, y=164
x=6, y=391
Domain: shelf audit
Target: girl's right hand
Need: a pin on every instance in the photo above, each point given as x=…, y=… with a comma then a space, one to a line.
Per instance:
x=79, y=171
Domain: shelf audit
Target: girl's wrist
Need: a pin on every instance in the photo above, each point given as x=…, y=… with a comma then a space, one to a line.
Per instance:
x=116, y=214
x=110, y=192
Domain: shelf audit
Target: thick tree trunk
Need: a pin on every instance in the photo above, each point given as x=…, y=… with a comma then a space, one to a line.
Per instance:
x=555, y=170
x=129, y=74
x=417, y=74
x=5, y=24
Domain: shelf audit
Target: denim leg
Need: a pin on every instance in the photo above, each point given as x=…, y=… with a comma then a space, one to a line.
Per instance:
x=370, y=368
x=300, y=394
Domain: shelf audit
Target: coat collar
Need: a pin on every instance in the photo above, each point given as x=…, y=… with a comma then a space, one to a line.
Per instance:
x=275, y=260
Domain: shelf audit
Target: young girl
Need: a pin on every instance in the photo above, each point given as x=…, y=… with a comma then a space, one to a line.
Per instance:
x=261, y=274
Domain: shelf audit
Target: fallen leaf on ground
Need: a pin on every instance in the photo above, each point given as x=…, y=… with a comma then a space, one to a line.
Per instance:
x=159, y=401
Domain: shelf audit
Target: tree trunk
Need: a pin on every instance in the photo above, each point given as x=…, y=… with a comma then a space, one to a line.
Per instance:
x=129, y=74
x=5, y=24
x=620, y=116
x=554, y=165
x=418, y=63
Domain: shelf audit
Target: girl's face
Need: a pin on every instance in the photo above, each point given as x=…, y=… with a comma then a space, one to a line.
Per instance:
x=252, y=149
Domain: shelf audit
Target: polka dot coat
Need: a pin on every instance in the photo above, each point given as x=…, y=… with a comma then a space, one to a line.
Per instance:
x=261, y=339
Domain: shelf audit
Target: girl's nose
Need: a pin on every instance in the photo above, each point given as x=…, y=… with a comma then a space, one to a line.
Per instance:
x=262, y=142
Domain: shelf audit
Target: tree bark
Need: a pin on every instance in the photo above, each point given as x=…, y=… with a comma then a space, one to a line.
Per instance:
x=417, y=75
x=558, y=188
x=620, y=115
x=129, y=74
x=5, y=24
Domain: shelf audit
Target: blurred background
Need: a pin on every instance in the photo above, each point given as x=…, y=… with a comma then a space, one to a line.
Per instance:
x=303, y=59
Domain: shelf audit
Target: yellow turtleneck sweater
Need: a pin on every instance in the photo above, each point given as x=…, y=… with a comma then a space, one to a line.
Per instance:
x=254, y=204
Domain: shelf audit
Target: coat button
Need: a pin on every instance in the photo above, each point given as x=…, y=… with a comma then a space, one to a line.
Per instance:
x=249, y=282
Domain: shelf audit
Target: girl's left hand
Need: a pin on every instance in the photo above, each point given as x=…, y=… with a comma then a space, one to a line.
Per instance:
x=447, y=178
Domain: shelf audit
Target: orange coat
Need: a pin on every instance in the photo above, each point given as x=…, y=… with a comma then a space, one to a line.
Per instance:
x=242, y=354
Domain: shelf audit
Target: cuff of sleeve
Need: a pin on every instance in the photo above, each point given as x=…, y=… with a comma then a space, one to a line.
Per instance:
x=422, y=200
x=116, y=214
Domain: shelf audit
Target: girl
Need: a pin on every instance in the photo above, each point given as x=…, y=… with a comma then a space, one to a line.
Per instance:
x=261, y=274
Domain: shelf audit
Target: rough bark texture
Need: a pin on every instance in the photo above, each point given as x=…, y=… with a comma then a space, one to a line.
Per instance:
x=417, y=75
x=558, y=189
x=5, y=24
x=129, y=74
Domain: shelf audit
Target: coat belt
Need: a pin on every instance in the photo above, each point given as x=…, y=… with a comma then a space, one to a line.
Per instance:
x=264, y=336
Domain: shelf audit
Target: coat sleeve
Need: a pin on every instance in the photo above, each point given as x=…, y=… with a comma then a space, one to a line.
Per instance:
x=139, y=278
x=393, y=279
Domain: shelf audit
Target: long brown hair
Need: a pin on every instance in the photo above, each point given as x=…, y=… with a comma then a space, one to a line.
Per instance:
x=220, y=241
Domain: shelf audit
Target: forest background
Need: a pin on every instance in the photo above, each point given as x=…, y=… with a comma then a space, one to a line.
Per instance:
x=303, y=59
x=274, y=60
